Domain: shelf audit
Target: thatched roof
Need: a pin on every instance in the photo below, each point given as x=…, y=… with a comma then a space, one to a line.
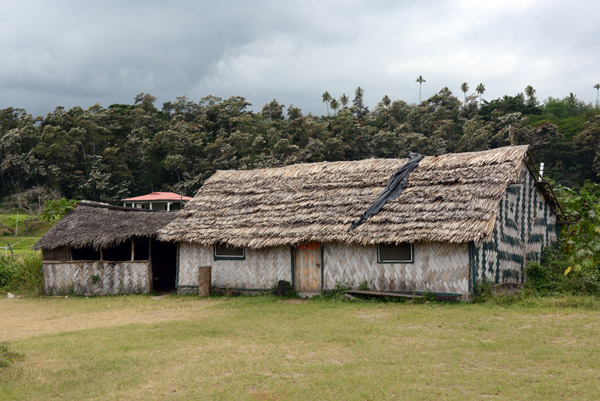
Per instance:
x=99, y=225
x=453, y=197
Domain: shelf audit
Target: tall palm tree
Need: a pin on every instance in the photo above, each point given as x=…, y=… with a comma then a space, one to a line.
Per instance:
x=386, y=101
x=359, y=92
x=480, y=89
x=420, y=80
x=344, y=100
x=326, y=99
x=597, y=86
x=530, y=92
x=464, y=87
x=334, y=105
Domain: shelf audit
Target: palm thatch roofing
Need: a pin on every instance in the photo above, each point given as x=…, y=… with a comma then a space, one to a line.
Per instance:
x=451, y=198
x=99, y=225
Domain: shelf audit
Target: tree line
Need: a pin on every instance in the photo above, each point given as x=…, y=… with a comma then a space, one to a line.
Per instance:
x=106, y=154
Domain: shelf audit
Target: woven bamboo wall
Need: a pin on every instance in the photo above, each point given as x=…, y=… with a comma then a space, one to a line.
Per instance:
x=438, y=267
x=261, y=269
x=97, y=278
x=526, y=223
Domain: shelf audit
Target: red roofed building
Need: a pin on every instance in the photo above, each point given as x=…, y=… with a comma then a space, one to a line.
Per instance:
x=157, y=201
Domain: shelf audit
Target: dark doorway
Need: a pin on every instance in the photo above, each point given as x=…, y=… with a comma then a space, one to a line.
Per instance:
x=164, y=264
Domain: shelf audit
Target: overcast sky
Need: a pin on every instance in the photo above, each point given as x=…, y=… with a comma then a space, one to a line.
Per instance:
x=67, y=53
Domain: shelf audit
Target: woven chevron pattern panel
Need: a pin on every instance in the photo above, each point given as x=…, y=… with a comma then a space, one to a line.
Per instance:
x=525, y=224
x=190, y=257
x=97, y=278
x=438, y=267
x=261, y=269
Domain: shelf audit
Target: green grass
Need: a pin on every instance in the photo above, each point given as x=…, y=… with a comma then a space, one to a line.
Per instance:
x=10, y=219
x=6, y=355
x=22, y=274
x=19, y=245
x=23, y=242
x=182, y=348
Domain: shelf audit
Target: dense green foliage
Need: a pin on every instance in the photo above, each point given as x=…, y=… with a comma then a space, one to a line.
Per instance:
x=57, y=209
x=110, y=153
x=22, y=274
x=574, y=264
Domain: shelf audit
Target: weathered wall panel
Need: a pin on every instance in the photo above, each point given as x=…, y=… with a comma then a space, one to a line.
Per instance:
x=261, y=269
x=525, y=224
x=438, y=267
x=97, y=278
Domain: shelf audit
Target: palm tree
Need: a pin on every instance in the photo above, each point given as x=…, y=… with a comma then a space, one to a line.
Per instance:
x=326, y=99
x=464, y=87
x=386, y=101
x=597, y=86
x=344, y=100
x=480, y=89
x=334, y=105
x=530, y=92
x=420, y=80
x=358, y=92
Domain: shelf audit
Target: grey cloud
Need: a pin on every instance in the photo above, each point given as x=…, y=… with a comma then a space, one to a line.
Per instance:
x=80, y=53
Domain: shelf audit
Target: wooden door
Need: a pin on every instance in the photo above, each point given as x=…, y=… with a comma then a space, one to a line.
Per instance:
x=307, y=268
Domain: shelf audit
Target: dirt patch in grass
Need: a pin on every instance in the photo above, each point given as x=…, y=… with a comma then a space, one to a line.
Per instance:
x=294, y=301
x=372, y=315
x=23, y=318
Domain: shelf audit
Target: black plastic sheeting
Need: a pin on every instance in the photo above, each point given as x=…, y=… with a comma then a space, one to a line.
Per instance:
x=395, y=186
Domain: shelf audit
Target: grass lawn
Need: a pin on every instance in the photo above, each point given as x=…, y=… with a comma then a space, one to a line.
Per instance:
x=19, y=245
x=261, y=348
x=23, y=242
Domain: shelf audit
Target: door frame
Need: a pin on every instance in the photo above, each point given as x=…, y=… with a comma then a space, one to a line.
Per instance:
x=293, y=265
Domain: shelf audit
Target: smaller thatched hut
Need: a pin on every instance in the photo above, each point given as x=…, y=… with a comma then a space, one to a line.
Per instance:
x=99, y=249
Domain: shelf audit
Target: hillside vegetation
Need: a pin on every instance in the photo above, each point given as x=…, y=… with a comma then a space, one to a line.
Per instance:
x=106, y=154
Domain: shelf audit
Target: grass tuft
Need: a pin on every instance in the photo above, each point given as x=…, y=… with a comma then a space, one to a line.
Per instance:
x=6, y=355
x=23, y=274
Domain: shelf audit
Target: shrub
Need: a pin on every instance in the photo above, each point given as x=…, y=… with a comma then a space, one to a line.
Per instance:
x=22, y=274
x=57, y=209
x=580, y=242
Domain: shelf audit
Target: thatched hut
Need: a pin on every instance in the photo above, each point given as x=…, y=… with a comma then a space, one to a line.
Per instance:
x=463, y=218
x=100, y=249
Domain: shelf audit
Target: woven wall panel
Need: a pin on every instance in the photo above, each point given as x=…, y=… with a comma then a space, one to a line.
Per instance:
x=112, y=278
x=261, y=269
x=526, y=223
x=437, y=267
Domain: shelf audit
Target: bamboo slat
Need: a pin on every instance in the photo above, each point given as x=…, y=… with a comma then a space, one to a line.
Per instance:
x=96, y=277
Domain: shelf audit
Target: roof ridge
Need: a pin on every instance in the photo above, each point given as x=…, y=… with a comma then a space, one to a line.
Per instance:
x=114, y=207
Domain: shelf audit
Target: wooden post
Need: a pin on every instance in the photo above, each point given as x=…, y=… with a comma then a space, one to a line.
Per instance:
x=101, y=254
x=150, y=267
x=204, y=281
x=132, y=249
